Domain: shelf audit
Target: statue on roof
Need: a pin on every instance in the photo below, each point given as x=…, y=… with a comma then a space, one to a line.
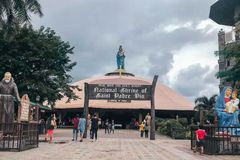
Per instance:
x=120, y=58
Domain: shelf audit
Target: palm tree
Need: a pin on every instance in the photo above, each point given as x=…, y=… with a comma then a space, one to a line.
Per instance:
x=17, y=11
x=204, y=104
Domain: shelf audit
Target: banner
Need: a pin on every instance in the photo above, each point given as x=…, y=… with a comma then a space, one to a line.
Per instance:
x=25, y=104
x=119, y=92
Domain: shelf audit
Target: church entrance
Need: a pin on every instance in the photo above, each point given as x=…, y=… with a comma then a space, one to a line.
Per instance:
x=121, y=118
x=126, y=119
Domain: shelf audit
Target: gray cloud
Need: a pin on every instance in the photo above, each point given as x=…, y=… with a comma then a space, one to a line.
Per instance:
x=96, y=29
x=161, y=64
x=196, y=80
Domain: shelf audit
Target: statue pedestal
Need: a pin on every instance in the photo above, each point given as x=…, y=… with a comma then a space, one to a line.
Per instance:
x=117, y=73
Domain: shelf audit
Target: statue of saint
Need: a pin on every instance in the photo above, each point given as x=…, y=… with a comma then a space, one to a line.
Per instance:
x=120, y=58
x=227, y=108
x=8, y=90
x=232, y=105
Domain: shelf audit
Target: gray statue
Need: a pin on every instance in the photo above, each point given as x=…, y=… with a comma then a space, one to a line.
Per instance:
x=8, y=90
x=120, y=58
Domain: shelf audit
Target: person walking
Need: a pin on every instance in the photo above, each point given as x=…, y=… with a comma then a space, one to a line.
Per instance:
x=106, y=127
x=81, y=127
x=75, y=122
x=51, y=124
x=94, y=127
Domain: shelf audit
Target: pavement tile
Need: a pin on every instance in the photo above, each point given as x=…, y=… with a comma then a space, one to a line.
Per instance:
x=123, y=145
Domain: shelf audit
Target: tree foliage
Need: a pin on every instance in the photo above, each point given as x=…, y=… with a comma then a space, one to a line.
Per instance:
x=39, y=62
x=231, y=51
x=207, y=105
x=17, y=11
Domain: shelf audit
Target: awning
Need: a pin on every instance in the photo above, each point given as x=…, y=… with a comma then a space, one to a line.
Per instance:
x=222, y=12
x=41, y=106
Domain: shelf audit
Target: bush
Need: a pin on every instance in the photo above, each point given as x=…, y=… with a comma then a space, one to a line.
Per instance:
x=179, y=134
x=188, y=134
x=173, y=128
x=183, y=121
x=165, y=127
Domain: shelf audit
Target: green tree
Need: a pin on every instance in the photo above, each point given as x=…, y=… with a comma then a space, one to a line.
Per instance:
x=14, y=12
x=231, y=51
x=39, y=62
x=204, y=107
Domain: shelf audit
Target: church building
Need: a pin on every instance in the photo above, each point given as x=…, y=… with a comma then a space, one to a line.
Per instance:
x=168, y=103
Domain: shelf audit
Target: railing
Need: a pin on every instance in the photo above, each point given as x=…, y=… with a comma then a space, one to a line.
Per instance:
x=219, y=140
x=18, y=136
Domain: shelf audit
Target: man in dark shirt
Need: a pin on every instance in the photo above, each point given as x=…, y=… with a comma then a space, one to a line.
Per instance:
x=75, y=122
x=94, y=127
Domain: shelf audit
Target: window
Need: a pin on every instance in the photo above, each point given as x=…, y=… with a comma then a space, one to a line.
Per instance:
x=228, y=63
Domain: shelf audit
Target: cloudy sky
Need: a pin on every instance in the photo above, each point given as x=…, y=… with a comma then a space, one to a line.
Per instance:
x=172, y=38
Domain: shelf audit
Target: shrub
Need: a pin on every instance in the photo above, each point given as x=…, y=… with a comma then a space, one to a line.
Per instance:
x=183, y=121
x=165, y=127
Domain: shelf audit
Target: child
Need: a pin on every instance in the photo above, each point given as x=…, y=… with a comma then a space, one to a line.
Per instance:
x=232, y=105
x=200, y=135
x=141, y=129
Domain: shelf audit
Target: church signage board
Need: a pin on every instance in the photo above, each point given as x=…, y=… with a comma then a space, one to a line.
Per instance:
x=25, y=108
x=119, y=92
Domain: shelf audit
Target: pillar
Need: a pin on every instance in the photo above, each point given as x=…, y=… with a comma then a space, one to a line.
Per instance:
x=140, y=118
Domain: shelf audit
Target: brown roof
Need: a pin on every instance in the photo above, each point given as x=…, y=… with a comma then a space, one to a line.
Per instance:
x=165, y=97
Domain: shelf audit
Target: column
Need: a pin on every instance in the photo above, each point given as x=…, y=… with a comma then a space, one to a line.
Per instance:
x=140, y=118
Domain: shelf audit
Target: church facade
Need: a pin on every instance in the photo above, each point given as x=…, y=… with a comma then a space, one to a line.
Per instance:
x=168, y=103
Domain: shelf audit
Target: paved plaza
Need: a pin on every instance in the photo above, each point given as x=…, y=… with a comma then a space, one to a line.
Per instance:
x=123, y=145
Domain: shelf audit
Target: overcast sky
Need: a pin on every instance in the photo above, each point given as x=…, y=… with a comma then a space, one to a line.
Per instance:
x=172, y=38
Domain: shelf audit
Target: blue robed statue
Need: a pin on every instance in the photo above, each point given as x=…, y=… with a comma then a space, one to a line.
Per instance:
x=120, y=58
x=227, y=108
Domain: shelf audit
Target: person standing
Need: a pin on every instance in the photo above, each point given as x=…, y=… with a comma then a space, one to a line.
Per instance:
x=89, y=124
x=148, y=119
x=81, y=126
x=75, y=122
x=146, y=129
x=200, y=136
x=106, y=126
x=94, y=127
x=51, y=124
x=112, y=126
